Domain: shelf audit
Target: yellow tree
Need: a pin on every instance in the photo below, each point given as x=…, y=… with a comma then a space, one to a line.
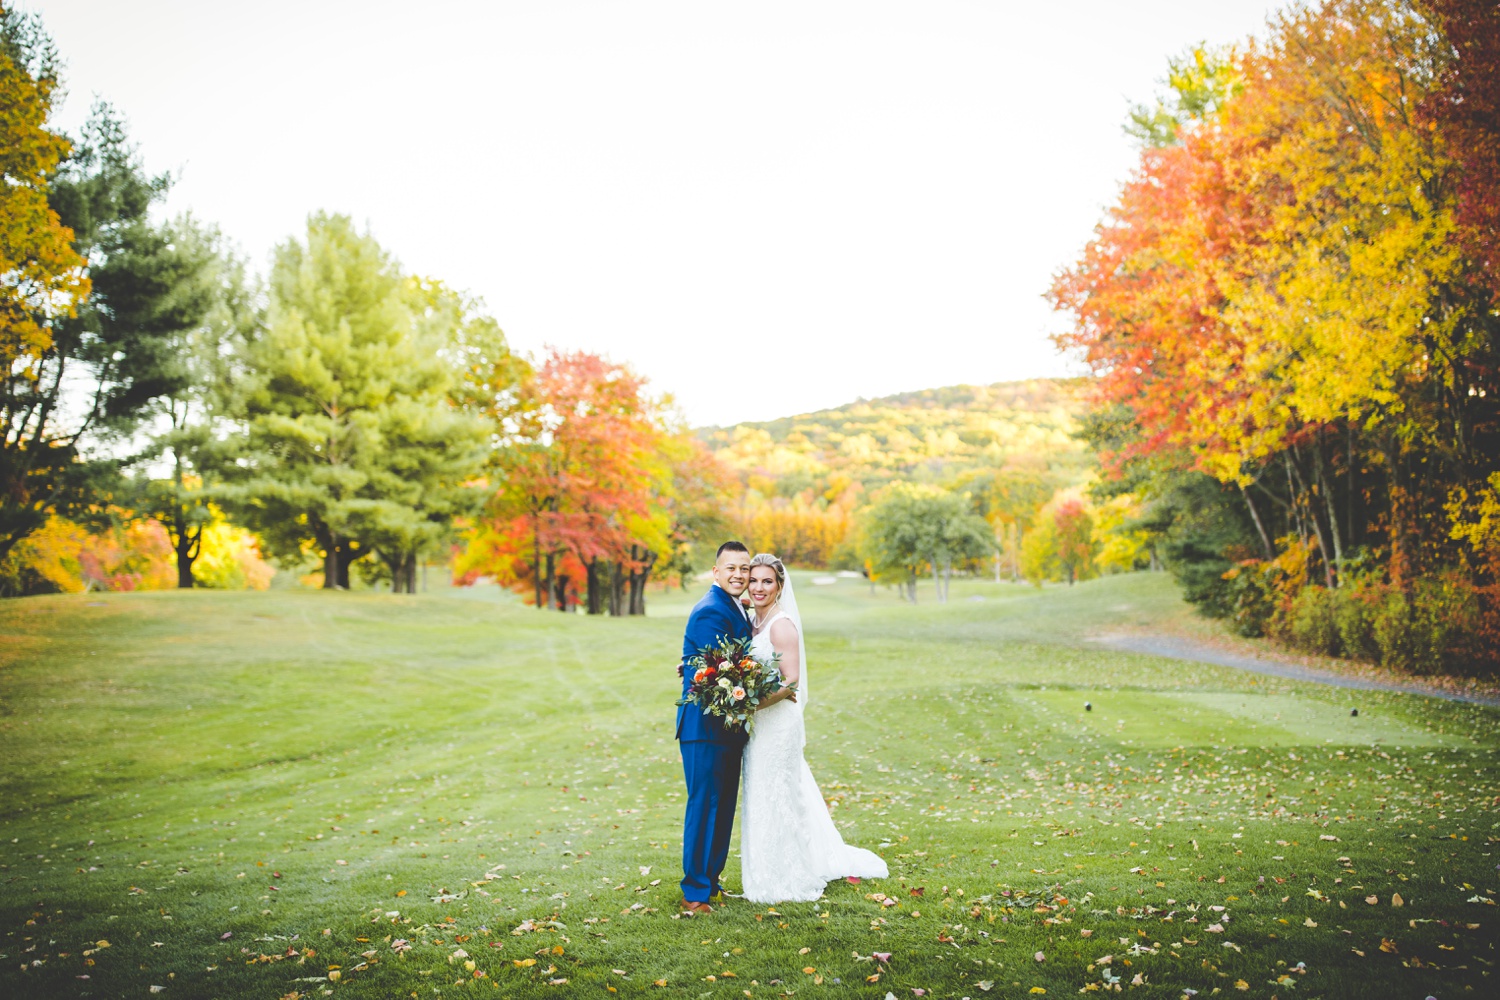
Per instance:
x=41, y=278
x=1339, y=297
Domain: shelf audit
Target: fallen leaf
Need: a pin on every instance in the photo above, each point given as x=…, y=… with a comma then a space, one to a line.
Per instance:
x=1372, y=900
x=1396, y=899
x=1240, y=984
x=1388, y=946
x=523, y=963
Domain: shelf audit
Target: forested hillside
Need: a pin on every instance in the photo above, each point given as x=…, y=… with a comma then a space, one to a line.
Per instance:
x=933, y=435
x=1010, y=447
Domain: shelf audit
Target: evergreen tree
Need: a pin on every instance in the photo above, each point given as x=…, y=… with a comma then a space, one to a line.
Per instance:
x=352, y=439
x=188, y=438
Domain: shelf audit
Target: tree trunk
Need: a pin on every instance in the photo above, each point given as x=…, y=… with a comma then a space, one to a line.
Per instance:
x=1324, y=550
x=188, y=546
x=1333, y=520
x=1400, y=564
x=345, y=557
x=638, y=578
x=403, y=566
x=329, y=542
x=546, y=583
x=538, y=585
x=937, y=578
x=594, y=583
x=1265, y=540
x=618, y=578
x=560, y=592
x=1015, y=557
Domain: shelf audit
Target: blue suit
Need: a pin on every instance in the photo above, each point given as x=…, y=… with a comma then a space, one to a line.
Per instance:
x=710, y=755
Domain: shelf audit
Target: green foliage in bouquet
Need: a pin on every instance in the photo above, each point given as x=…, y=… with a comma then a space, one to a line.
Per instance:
x=728, y=681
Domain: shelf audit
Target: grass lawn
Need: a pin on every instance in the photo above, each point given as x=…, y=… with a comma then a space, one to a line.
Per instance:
x=298, y=794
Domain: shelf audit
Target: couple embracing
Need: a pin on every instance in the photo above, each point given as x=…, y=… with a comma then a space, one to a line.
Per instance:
x=789, y=847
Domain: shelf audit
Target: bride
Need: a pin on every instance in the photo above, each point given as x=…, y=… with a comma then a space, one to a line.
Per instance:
x=789, y=847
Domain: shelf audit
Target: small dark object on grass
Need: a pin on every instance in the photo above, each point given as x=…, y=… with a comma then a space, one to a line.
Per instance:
x=1088, y=706
x=1353, y=712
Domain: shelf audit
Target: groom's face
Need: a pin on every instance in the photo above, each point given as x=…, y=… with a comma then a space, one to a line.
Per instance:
x=732, y=572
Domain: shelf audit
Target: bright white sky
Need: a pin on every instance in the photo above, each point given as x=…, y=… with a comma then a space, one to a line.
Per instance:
x=767, y=208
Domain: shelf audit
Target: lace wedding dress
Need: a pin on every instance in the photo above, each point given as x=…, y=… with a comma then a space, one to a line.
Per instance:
x=789, y=847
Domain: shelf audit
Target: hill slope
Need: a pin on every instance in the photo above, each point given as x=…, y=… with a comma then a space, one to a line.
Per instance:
x=933, y=435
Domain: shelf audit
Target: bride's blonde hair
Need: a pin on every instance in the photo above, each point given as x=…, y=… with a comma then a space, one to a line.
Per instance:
x=779, y=568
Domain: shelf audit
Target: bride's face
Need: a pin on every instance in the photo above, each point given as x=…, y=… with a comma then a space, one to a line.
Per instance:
x=763, y=588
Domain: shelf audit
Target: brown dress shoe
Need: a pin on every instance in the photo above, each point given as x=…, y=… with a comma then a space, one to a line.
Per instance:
x=688, y=906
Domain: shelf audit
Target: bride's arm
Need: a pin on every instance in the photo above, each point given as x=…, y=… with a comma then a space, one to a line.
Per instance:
x=784, y=641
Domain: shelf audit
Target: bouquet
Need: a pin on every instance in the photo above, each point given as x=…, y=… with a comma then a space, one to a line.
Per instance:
x=729, y=682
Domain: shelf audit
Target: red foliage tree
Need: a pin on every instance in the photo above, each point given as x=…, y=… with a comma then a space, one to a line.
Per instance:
x=593, y=490
x=1466, y=108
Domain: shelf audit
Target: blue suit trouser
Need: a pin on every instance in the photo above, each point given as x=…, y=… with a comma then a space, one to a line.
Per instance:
x=712, y=771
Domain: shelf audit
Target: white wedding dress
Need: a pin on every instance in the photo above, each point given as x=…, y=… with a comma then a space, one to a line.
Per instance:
x=789, y=847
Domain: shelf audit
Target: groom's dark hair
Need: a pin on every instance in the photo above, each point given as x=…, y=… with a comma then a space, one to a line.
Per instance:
x=731, y=546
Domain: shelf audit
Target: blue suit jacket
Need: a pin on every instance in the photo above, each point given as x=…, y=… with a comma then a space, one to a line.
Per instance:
x=712, y=618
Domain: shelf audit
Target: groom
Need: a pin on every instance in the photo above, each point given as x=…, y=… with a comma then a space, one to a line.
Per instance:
x=711, y=753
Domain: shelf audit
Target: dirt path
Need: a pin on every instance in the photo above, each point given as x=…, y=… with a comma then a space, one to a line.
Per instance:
x=1178, y=648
